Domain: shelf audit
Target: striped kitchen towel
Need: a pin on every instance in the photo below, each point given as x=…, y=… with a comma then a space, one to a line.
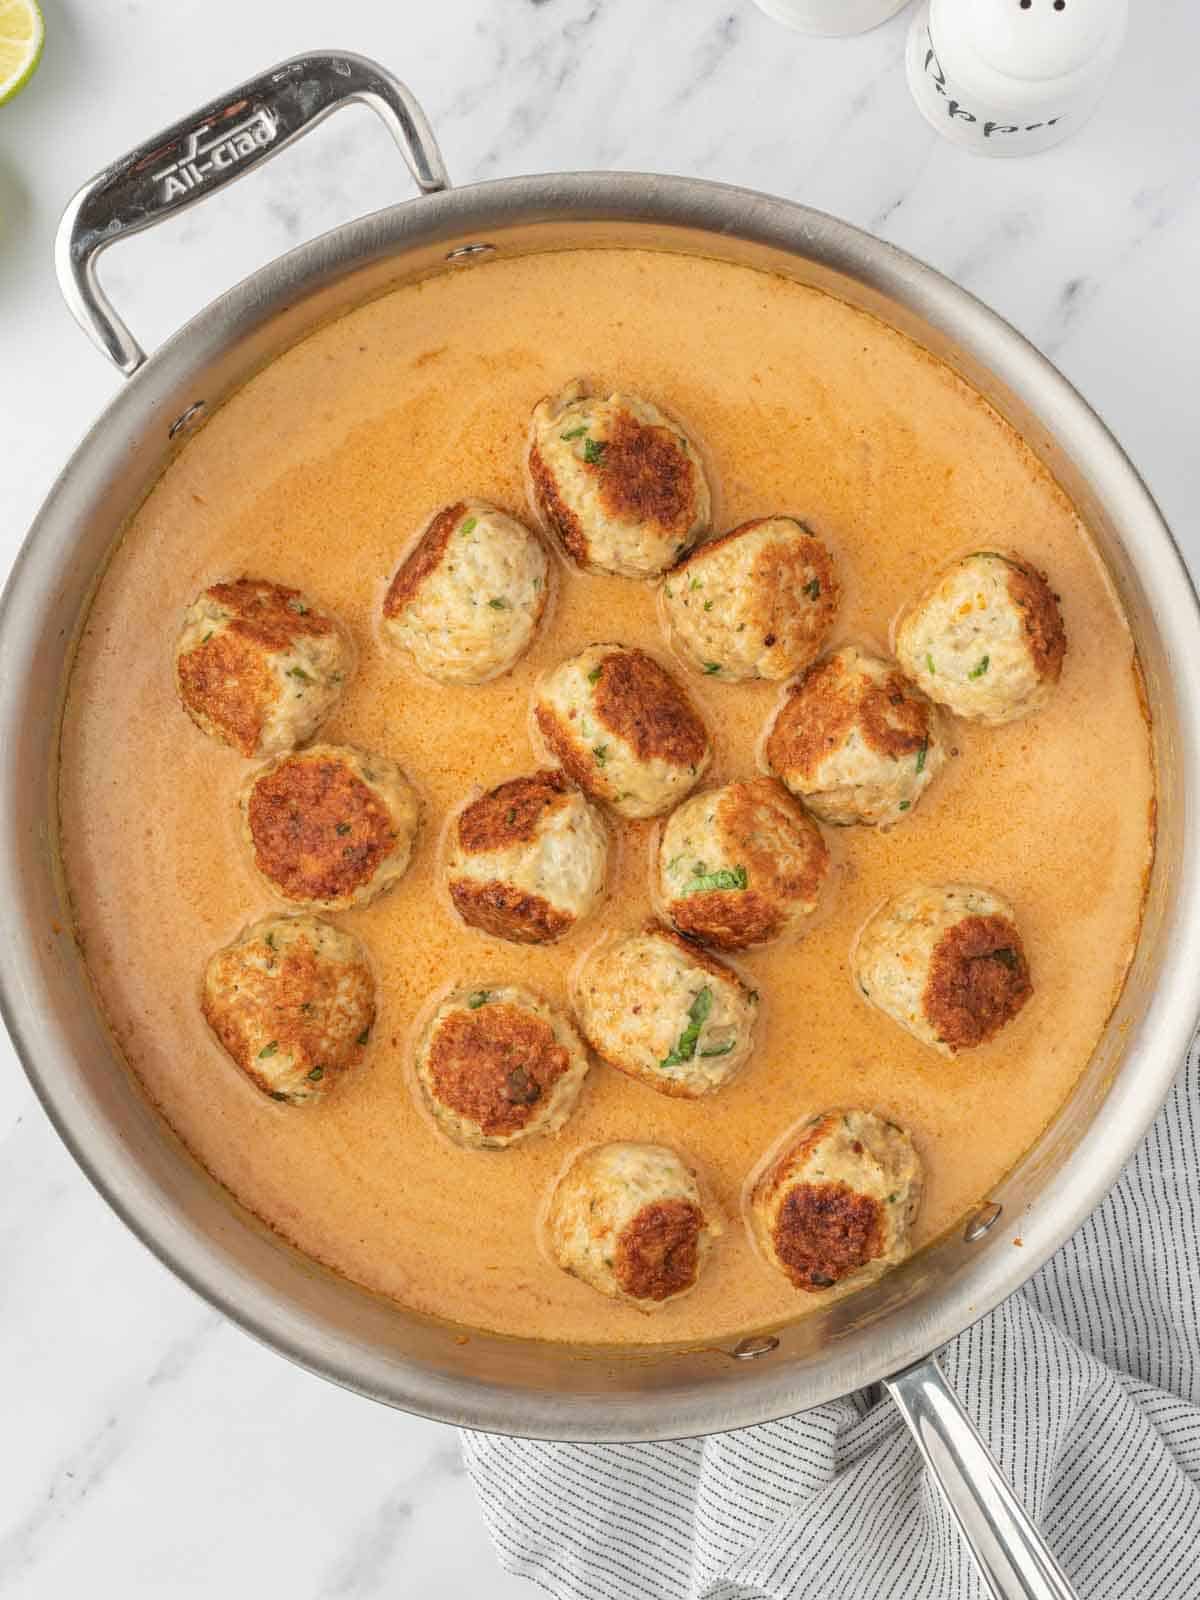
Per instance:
x=1086, y=1387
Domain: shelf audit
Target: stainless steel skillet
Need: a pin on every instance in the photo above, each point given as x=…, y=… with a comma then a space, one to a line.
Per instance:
x=885, y=1333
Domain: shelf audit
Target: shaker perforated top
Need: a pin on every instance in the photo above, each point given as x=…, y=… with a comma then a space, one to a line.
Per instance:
x=1038, y=39
x=1012, y=77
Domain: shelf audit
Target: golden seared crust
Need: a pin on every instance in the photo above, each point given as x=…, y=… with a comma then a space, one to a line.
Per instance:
x=423, y=559
x=228, y=682
x=739, y=816
x=511, y=813
x=629, y=1220
x=1031, y=591
x=838, y=1203
x=946, y=962
x=553, y=509
x=895, y=721
x=318, y=831
x=812, y=720
x=824, y=1232
x=578, y=764
x=732, y=921
x=778, y=570
x=269, y=613
x=658, y=1251
x=641, y=703
x=495, y=1065
x=623, y=729
x=978, y=980
x=292, y=1002
x=508, y=911
x=824, y=703
x=646, y=476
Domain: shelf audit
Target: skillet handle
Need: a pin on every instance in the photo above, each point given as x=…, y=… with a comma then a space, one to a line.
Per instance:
x=214, y=146
x=1012, y=1558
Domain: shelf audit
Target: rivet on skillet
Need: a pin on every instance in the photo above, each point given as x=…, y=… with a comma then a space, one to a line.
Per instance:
x=470, y=252
x=187, y=419
x=751, y=1349
x=986, y=1217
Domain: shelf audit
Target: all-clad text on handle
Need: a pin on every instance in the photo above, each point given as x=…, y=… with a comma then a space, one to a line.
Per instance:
x=199, y=155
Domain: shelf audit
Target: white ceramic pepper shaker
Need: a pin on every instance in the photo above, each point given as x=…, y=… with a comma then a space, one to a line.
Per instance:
x=831, y=17
x=1012, y=77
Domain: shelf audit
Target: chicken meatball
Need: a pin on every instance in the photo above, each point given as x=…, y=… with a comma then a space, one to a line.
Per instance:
x=623, y=729
x=292, y=1000
x=258, y=666
x=740, y=865
x=946, y=962
x=986, y=638
x=497, y=1065
x=330, y=826
x=856, y=741
x=756, y=603
x=616, y=481
x=629, y=1220
x=527, y=860
x=837, y=1205
x=468, y=597
x=666, y=1012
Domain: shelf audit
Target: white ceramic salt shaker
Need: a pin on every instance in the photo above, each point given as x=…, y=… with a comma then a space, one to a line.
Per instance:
x=1012, y=77
x=831, y=17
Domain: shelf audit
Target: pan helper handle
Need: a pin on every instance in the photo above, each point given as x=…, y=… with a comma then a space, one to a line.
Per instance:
x=221, y=142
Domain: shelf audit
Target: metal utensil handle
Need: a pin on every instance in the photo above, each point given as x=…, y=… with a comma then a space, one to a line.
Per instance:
x=214, y=146
x=1009, y=1551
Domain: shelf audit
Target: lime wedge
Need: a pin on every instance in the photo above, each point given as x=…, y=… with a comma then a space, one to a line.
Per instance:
x=22, y=33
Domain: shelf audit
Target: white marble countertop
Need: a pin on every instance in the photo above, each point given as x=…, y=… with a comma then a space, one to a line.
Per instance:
x=147, y=1448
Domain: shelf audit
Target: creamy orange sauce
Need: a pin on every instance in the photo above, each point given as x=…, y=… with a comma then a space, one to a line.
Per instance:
x=316, y=474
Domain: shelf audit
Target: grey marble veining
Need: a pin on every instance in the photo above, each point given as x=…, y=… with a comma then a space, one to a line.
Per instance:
x=146, y=1447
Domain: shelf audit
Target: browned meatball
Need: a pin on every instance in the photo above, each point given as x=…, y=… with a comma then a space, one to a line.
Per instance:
x=527, y=860
x=623, y=729
x=856, y=741
x=837, y=1204
x=330, y=826
x=616, y=481
x=755, y=603
x=292, y=1001
x=986, y=638
x=740, y=865
x=498, y=1065
x=947, y=962
x=467, y=598
x=258, y=666
x=663, y=1010
x=630, y=1220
